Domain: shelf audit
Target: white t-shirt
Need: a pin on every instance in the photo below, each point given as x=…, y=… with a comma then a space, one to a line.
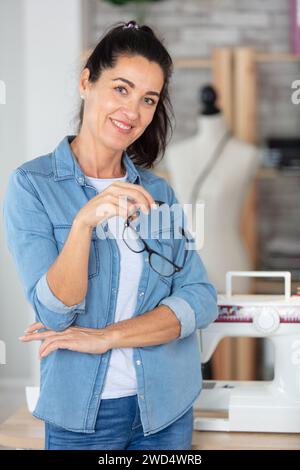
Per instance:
x=121, y=376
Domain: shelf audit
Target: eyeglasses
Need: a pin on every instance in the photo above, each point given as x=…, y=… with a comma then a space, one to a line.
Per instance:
x=158, y=262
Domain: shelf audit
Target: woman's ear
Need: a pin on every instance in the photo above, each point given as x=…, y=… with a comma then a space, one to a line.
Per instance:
x=84, y=82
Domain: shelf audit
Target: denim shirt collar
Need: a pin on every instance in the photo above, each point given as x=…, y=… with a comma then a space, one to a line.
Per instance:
x=66, y=166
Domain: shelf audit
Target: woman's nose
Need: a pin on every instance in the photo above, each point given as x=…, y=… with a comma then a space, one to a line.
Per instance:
x=132, y=111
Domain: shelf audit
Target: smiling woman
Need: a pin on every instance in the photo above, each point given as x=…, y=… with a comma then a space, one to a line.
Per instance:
x=118, y=318
x=130, y=71
x=116, y=116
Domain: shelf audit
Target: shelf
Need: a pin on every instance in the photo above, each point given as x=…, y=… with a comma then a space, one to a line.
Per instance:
x=192, y=63
x=276, y=57
x=260, y=58
x=276, y=173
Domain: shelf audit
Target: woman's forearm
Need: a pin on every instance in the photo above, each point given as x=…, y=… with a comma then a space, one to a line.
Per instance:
x=157, y=326
x=68, y=276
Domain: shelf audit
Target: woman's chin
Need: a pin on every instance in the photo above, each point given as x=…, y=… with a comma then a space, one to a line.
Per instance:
x=118, y=144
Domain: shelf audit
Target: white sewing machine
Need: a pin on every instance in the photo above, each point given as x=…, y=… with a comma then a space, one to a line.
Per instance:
x=258, y=406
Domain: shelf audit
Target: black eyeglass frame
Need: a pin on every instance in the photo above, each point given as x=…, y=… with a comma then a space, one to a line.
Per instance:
x=151, y=251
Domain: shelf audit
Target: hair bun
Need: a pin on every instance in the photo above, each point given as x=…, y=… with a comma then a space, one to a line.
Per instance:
x=131, y=25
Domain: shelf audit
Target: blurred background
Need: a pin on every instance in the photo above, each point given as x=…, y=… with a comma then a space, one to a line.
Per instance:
x=235, y=146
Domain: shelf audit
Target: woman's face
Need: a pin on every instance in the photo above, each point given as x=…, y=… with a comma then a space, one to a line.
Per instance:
x=121, y=104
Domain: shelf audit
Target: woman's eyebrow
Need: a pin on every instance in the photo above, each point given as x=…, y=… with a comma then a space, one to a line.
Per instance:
x=132, y=85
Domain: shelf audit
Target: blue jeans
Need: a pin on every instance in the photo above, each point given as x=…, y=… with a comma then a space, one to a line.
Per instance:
x=119, y=427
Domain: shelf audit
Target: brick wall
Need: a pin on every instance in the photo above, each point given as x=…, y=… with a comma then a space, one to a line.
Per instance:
x=192, y=28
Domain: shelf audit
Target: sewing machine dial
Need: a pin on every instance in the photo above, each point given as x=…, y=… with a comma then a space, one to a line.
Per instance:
x=266, y=320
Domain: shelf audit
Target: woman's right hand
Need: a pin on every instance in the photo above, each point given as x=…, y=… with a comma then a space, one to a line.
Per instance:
x=119, y=198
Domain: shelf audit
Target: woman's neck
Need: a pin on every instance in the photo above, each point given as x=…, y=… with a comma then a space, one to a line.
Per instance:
x=97, y=162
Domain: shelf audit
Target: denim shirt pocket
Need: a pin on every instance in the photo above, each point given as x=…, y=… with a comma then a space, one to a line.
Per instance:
x=162, y=242
x=61, y=233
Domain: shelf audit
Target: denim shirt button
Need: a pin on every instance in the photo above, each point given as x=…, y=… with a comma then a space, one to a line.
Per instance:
x=138, y=363
x=142, y=397
x=142, y=293
x=80, y=180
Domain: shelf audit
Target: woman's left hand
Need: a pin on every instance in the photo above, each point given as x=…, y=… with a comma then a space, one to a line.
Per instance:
x=87, y=340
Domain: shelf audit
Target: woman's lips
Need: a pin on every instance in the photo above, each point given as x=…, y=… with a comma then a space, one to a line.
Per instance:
x=120, y=129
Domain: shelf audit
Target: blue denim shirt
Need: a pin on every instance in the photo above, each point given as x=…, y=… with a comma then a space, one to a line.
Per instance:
x=42, y=199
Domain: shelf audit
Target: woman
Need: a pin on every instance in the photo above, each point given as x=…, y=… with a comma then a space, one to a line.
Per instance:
x=117, y=313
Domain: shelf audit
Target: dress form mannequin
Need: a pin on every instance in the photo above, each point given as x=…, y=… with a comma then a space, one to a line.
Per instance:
x=216, y=168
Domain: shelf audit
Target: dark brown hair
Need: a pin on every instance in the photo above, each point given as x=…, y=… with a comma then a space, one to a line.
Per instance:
x=129, y=39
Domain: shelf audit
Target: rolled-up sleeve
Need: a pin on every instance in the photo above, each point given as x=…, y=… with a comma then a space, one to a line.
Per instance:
x=193, y=298
x=184, y=313
x=30, y=240
x=47, y=298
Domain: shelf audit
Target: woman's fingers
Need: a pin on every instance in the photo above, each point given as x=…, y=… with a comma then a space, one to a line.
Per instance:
x=122, y=206
x=43, y=335
x=54, y=344
x=35, y=326
x=87, y=340
x=117, y=199
x=40, y=335
x=135, y=192
x=74, y=338
x=138, y=188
